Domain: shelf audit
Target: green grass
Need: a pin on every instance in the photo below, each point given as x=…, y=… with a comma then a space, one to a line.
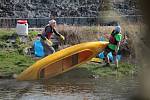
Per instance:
x=98, y=69
x=12, y=62
x=6, y=32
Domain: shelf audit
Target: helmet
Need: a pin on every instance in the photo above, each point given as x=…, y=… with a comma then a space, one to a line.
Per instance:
x=52, y=21
x=118, y=29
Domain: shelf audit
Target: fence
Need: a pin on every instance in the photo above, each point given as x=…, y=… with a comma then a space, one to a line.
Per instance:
x=41, y=22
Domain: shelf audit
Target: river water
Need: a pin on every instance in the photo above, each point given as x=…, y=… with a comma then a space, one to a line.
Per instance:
x=66, y=88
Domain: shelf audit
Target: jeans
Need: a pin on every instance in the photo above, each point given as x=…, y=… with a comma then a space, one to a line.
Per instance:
x=47, y=49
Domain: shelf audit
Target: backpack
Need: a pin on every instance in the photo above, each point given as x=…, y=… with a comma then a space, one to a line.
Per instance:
x=38, y=49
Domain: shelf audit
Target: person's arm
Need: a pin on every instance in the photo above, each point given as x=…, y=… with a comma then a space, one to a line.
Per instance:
x=118, y=38
x=45, y=39
x=106, y=35
x=61, y=36
x=117, y=48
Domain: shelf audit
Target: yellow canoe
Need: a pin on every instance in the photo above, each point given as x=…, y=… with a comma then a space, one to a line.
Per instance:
x=62, y=61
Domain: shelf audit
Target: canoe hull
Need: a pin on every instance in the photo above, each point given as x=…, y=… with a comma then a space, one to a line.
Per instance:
x=62, y=61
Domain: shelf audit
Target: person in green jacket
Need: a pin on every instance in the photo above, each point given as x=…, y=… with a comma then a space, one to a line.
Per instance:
x=113, y=46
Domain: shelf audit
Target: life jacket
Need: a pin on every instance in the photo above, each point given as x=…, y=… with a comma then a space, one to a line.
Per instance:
x=48, y=31
x=112, y=39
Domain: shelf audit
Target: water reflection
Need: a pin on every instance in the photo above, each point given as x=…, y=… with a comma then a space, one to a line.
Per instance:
x=61, y=88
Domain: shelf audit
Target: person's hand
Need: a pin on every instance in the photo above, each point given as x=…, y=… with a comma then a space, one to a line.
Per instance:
x=115, y=53
x=106, y=35
x=49, y=42
x=62, y=37
x=42, y=37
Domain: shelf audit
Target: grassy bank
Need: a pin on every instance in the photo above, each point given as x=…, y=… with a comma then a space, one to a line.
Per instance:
x=13, y=61
x=96, y=70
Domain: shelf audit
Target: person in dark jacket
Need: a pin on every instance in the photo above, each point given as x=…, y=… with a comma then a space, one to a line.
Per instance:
x=46, y=37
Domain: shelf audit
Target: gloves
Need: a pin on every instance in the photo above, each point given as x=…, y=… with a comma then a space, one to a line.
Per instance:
x=62, y=37
x=48, y=42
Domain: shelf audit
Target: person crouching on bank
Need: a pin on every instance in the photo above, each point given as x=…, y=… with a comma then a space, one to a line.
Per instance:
x=46, y=36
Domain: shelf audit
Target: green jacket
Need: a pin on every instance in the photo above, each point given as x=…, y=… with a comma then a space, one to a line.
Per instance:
x=117, y=38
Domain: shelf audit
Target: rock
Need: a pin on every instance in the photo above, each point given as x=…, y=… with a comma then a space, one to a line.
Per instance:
x=44, y=8
x=93, y=7
x=94, y=76
x=31, y=7
x=14, y=75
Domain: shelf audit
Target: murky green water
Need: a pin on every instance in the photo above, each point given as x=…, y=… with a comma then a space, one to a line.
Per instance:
x=62, y=88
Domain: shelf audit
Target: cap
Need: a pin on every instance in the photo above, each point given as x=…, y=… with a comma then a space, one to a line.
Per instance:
x=118, y=29
x=52, y=21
